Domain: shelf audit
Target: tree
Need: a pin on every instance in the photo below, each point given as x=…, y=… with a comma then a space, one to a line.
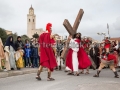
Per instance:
x=3, y=35
x=24, y=37
x=35, y=35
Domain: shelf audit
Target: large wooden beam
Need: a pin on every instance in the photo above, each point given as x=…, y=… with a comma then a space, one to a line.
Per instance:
x=78, y=19
x=68, y=27
x=71, y=30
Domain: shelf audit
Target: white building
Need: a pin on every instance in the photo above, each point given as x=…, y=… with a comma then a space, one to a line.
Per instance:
x=31, y=24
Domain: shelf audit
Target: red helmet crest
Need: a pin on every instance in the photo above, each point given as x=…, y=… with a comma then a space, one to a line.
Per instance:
x=48, y=27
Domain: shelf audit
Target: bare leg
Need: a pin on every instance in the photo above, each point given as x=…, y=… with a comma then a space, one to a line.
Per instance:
x=114, y=70
x=38, y=73
x=87, y=70
x=82, y=72
x=76, y=73
x=99, y=70
x=49, y=76
x=107, y=50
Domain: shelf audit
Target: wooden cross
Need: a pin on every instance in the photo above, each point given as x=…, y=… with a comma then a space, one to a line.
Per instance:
x=71, y=30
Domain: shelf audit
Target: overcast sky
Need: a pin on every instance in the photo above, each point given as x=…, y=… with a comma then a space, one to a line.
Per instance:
x=97, y=13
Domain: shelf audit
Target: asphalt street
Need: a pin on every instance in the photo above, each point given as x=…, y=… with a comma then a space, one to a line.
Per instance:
x=106, y=81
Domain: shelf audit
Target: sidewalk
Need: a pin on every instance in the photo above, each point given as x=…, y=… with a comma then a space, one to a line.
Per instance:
x=23, y=71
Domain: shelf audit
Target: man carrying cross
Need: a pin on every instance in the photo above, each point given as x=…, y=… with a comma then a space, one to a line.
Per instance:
x=76, y=56
x=72, y=31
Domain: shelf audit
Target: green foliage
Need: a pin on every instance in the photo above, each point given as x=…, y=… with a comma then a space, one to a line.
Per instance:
x=3, y=35
x=35, y=35
x=24, y=37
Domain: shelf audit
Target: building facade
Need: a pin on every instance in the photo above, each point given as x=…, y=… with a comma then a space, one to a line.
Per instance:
x=8, y=32
x=31, y=24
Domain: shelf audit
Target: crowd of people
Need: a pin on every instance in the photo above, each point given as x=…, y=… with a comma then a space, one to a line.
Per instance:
x=45, y=51
x=17, y=54
x=92, y=55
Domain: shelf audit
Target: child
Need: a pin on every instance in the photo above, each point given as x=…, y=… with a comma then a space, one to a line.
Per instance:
x=19, y=58
x=27, y=55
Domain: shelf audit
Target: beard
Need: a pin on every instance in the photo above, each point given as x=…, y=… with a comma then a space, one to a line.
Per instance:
x=78, y=37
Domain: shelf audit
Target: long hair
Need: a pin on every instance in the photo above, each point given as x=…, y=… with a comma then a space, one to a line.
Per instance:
x=75, y=36
x=26, y=41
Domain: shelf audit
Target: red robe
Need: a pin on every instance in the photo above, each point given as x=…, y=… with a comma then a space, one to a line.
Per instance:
x=110, y=57
x=86, y=43
x=47, y=58
x=107, y=44
x=83, y=58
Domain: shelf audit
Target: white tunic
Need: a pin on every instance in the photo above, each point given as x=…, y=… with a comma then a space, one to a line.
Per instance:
x=75, y=47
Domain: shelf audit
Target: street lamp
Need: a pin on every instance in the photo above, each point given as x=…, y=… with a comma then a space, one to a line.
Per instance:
x=103, y=33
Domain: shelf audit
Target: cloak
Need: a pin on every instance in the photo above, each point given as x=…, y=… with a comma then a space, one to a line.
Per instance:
x=47, y=58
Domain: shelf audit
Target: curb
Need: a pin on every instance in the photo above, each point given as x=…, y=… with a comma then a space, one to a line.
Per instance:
x=4, y=74
x=23, y=71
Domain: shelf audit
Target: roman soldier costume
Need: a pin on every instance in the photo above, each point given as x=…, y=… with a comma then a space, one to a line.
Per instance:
x=47, y=57
x=107, y=44
x=86, y=44
x=107, y=59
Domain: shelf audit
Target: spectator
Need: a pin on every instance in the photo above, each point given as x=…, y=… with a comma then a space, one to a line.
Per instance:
x=10, y=51
x=35, y=53
x=2, y=54
x=18, y=43
x=27, y=54
x=19, y=58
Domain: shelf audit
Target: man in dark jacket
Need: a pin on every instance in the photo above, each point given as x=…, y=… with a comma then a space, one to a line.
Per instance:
x=94, y=53
x=18, y=43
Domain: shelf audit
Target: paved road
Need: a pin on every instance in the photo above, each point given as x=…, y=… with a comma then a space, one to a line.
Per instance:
x=106, y=81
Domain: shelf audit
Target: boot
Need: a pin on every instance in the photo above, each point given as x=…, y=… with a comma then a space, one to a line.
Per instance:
x=38, y=75
x=97, y=75
x=116, y=75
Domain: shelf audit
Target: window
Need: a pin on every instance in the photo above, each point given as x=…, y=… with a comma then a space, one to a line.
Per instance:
x=33, y=20
x=29, y=20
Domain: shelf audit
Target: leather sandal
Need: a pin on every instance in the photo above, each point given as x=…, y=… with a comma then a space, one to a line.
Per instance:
x=95, y=75
x=87, y=73
x=70, y=74
x=38, y=78
x=76, y=74
x=81, y=72
x=50, y=79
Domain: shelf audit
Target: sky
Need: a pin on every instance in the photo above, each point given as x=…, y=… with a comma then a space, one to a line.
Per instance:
x=97, y=13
